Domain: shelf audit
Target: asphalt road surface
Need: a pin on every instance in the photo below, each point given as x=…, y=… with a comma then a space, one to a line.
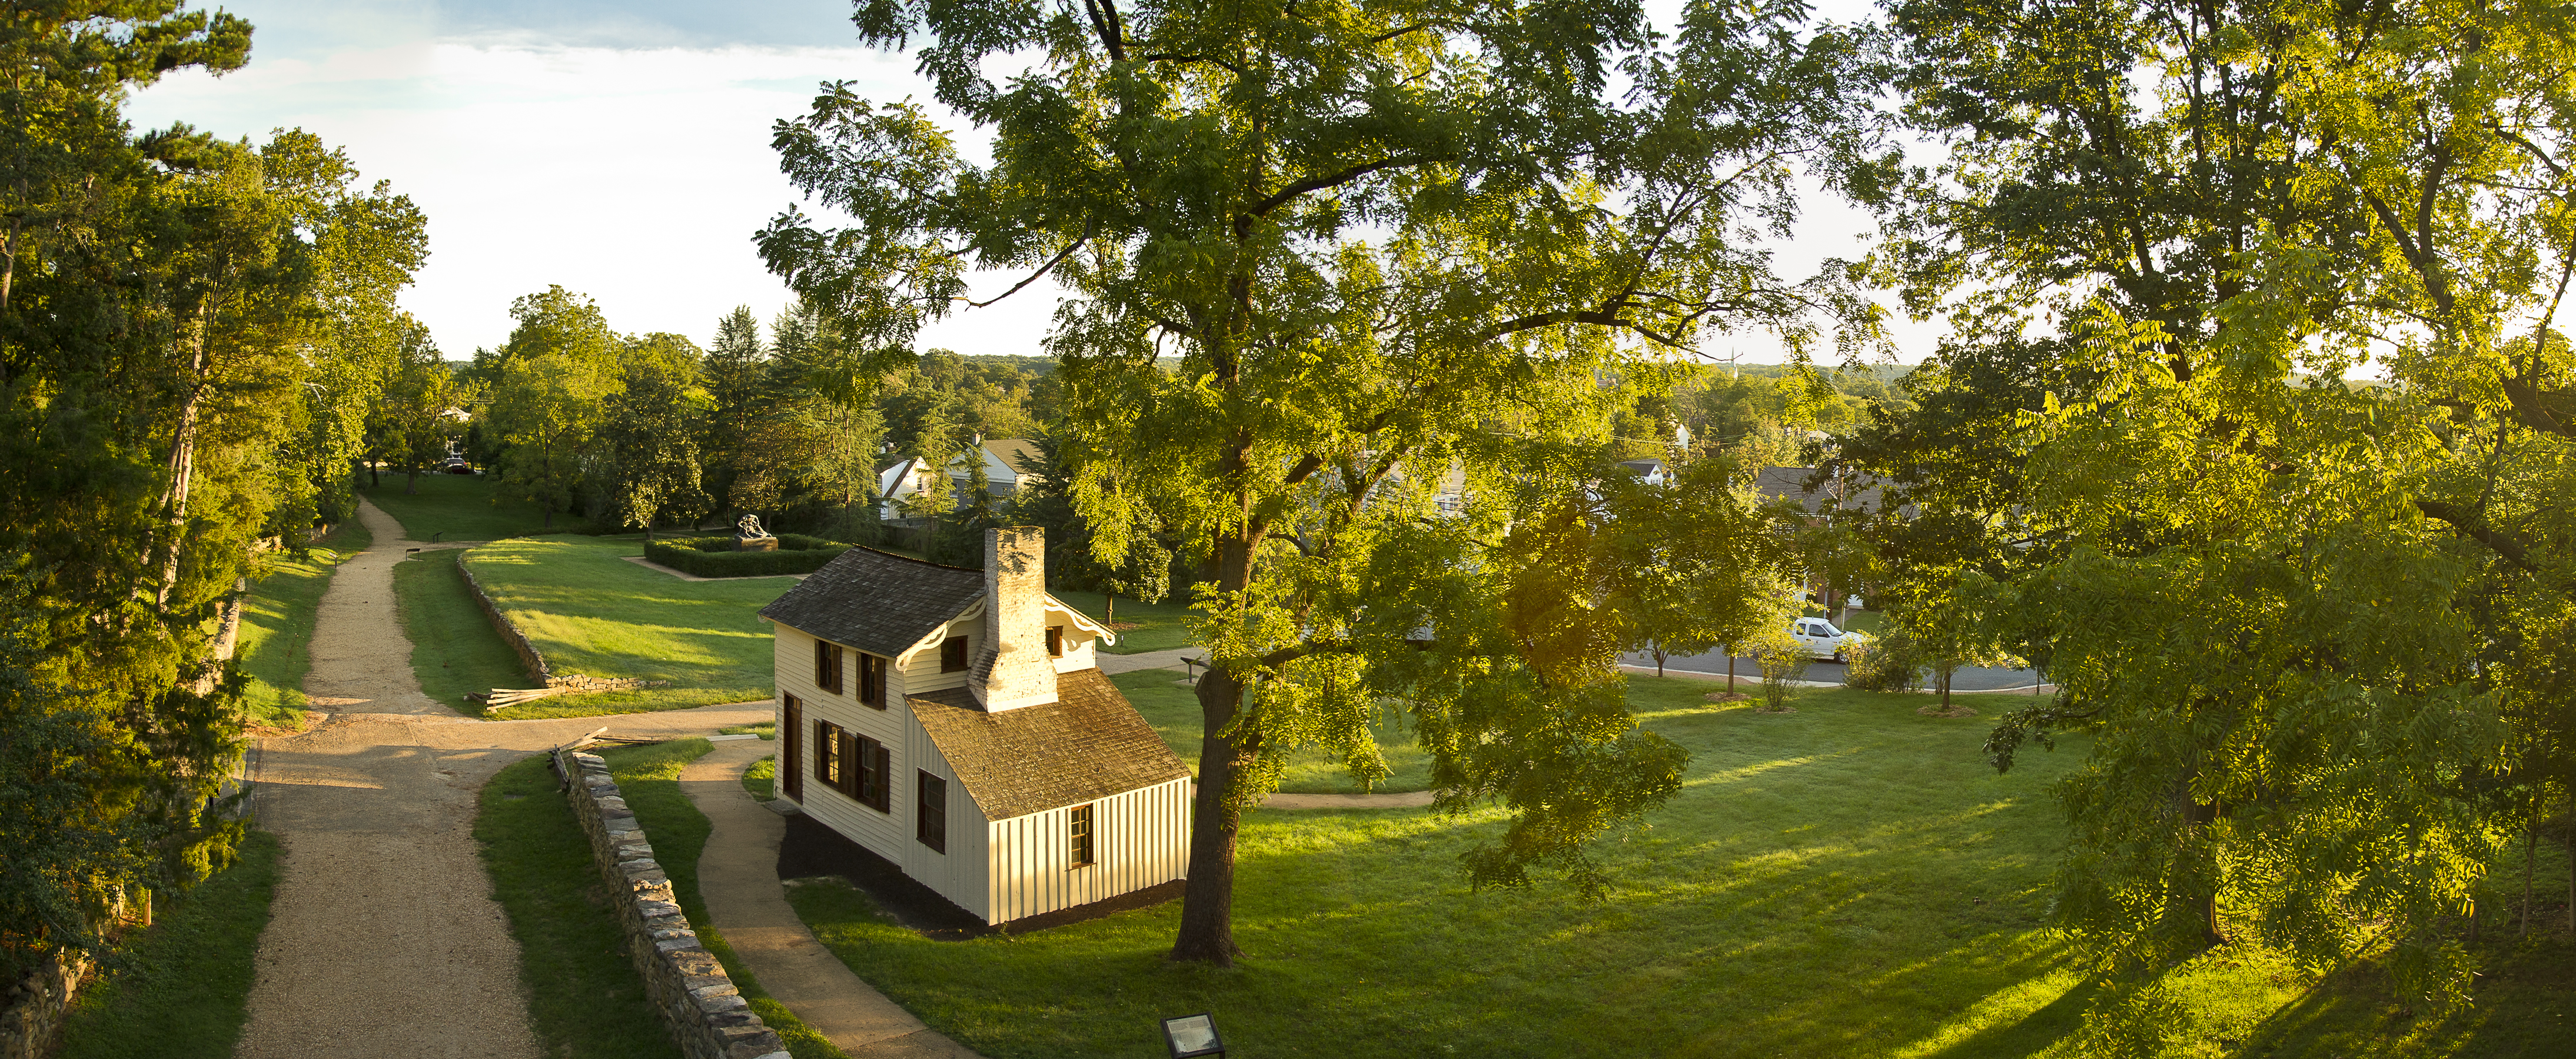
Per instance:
x=1968, y=678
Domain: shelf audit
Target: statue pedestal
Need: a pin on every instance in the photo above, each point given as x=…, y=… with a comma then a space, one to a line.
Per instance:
x=755, y=544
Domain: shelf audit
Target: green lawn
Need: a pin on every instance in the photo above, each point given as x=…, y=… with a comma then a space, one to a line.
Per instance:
x=1848, y=880
x=761, y=779
x=276, y=639
x=186, y=991
x=1159, y=626
x=454, y=648
x=1173, y=710
x=460, y=507
x=589, y=611
x=583, y=995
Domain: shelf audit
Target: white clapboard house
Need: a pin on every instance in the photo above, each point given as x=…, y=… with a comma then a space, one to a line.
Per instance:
x=956, y=723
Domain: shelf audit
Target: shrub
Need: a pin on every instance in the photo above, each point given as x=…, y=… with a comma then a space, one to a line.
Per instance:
x=1782, y=660
x=715, y=557
x=1884, y=663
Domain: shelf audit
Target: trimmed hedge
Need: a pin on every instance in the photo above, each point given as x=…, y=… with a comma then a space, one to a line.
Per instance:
x=715, y=557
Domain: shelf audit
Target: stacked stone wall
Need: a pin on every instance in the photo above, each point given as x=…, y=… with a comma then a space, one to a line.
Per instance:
x=32, y=1008
x=706, y=1015
x=510, y=634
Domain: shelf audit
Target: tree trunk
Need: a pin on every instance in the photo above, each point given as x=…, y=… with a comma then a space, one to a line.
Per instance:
x=183, y=461
x=1659, y=661
x=1207, y=903
x=2530, y=848
x=1945, y=689
x=411, y=486
x=549, y=522
x=1109, y=614
x=375, y=471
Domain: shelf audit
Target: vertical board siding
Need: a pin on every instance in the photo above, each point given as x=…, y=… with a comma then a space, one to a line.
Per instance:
x=1140, y=838
x=958, y=874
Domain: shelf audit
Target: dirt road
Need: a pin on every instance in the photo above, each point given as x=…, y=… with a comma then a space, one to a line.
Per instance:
x=385, y=941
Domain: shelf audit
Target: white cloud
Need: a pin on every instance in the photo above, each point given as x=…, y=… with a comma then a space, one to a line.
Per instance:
x=634, y=175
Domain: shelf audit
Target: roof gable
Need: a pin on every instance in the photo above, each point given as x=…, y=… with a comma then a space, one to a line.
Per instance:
x=1087, y=745
x=876, y=601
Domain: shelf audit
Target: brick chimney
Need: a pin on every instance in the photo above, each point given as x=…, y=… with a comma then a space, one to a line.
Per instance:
x=1014, y=670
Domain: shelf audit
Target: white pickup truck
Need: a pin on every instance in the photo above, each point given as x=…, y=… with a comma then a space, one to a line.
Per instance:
x=1820, y=638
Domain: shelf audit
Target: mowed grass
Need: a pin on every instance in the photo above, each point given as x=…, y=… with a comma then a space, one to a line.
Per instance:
x=275, y=648
x=454, y=649
x=649, y=776
x=1173, y=710
x=186, y=991
x=591, y=612
x=1847, y=880
x=459, y=507
x=1159, y=626
x=585, y=1000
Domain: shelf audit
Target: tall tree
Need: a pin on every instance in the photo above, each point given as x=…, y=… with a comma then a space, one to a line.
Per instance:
x=1376, y=236
x=2257, y=582
x=742, y=392
x=649, y=431
x=187, y=330
x=550, y=386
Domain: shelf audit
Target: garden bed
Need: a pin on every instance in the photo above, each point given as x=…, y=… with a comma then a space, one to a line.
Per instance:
x=716, y=557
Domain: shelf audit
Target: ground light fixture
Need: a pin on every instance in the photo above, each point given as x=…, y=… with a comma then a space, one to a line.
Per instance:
x=1190, y=1036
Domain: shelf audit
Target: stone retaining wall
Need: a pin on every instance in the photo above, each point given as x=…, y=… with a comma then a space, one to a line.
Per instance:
x=699, y=1004
x=528, y=656
x=31, y=1009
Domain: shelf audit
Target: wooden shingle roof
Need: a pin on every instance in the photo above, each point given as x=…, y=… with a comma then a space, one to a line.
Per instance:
x=875, y=601
x=1087, y=745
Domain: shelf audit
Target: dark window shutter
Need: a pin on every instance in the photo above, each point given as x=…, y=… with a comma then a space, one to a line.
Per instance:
x=885, y=780
x=851, y=763
x=792, y=763
x=822, y=665
x=1055, y=641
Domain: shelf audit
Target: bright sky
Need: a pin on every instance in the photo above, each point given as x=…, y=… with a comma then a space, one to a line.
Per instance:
x=620, y=149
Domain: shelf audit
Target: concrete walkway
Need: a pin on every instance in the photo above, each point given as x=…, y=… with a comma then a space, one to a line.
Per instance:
x=746, y=903
x=384, y=939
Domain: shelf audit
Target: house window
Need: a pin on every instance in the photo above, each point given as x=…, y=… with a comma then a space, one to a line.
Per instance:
x=872, y=680
x=930, y=811
x=952, y=655
x=1080, y=843
x=827, y=753
x=1055, y=641
x=870, y=765
x=827, y=666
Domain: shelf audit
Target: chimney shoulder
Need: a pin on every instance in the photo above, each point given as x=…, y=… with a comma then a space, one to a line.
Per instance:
x=1015, y=670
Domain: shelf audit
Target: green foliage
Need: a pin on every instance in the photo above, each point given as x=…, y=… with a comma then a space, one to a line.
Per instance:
x=1467, y=231
x=716, y=557
x=1885, y=662
x=761, y=778
x=1171, y=707
x=2284, y=605
x=189, y=333
x=650, y=469
x=1782, y=660
x=182, y=990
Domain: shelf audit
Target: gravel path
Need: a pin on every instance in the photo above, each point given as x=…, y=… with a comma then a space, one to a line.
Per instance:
x=384, y=940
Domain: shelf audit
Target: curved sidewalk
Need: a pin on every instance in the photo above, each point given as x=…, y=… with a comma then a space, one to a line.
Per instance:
x=747, y=906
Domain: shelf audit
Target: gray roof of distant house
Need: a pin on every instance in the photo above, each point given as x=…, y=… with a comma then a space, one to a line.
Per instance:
x=1087, y=745
x=877, y=602
x=1857, y=493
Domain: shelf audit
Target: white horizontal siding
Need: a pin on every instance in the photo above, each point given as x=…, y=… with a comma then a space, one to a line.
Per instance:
x=921, y=673
x=882, y=833
x=1140, y=838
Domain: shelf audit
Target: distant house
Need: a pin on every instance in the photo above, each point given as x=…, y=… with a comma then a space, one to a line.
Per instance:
x=1650, y=471
x=1003, y=475
x=1843, y=492
x=956, y=723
